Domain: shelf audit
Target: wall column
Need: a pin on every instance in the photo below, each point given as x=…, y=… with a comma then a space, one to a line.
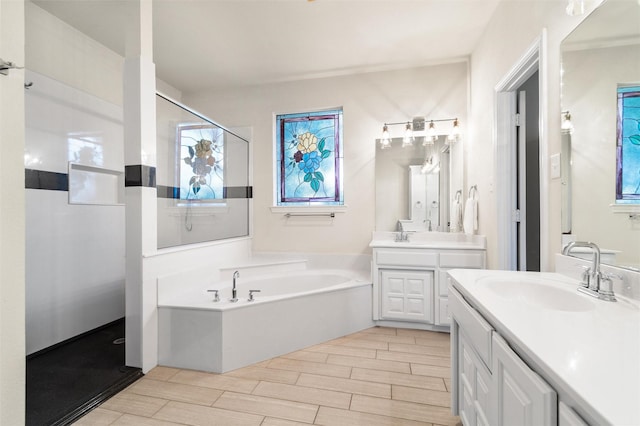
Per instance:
x=12, y=217
x=140, y=186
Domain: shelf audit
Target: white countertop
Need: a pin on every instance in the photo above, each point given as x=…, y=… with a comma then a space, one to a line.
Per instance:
x=590, y=354
x=431, y=240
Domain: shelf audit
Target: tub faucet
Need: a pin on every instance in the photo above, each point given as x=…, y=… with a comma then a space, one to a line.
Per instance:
x=234, y=295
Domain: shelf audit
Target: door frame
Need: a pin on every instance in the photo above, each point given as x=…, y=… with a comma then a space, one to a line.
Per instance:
x=535, y=58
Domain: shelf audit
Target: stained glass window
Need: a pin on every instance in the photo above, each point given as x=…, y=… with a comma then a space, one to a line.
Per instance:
x=309, y=158
x=628, y=146
x=202, y=168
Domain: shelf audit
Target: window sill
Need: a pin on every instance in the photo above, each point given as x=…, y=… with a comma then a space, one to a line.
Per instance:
x=308, y=210
x=633, y=209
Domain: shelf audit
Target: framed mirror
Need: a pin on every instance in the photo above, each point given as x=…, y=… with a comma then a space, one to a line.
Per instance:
x=416, y=185
x=600, y=60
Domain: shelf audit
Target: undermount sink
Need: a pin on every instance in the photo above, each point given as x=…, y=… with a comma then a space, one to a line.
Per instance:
x=538, y=293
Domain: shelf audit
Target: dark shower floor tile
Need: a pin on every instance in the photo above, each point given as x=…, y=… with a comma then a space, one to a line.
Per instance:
x=65, y=382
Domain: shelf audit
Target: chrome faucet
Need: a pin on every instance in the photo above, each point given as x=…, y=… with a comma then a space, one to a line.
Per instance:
x=594, y=282
x=234, y=295
x=591, y=277
x=402, y=236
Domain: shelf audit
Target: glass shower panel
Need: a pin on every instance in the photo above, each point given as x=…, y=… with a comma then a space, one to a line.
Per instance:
x=202, y=178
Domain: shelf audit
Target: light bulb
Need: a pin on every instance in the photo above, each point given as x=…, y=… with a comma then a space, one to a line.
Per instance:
x=575, y=7
x=566, y=125
x=454, y=136
x=407, y=140
x=431, y=136
x=385, y=141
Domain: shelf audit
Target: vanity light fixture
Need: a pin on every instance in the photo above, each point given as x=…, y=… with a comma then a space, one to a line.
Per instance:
x=417, y=129
x=407, y=140
x=566, y=125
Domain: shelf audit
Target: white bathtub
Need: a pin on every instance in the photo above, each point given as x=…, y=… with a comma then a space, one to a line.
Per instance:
x=293, y=310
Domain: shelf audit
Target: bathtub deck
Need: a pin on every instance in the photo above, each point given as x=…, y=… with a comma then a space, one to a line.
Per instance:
x=379, y=376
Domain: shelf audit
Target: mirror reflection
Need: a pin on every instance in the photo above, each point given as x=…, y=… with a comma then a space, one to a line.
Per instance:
x=599, y=57
x=413, y=185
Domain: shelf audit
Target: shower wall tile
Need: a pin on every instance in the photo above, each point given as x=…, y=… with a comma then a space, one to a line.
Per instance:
x=74, y=252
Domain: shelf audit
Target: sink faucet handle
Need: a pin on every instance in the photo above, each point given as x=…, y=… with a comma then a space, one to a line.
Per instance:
x=605, y=291
x=586, y=275
x=251, y=299
x=216, y=297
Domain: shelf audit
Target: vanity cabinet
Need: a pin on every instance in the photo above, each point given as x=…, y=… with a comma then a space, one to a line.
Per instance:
x=405, y=295
x=410, y=283
x=492, y=385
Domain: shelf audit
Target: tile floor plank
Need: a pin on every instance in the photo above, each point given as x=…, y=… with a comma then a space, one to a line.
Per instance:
x=360, y=343
x=309, y=395
x=272, y=407
x=266, y=374
x=175, y=391
x=403, y=410
x=381, y=390
x=131, y=420
x=197, y=415
x=343, y=350
x=310, y=367
x=424, y=382
x=215, y=381
x=162, y=373
x=304, y=355
x=334, y=417
x=421, y=396
x=414, y=358
x=130, y=403
x=99, y=417
x=443, y=351
x=430, y=370
x=373, y=364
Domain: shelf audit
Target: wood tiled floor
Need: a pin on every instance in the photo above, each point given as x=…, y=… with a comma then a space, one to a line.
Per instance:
x=380, y=376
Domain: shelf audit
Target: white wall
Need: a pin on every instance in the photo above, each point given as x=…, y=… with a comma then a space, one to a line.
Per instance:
x=590, y=95
x=12, y=226
x=368, y=100
x=513, y=29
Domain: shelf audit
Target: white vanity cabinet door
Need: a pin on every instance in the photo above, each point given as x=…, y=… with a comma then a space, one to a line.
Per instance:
x=523, y=398
x=474, y=386
x=407, y=295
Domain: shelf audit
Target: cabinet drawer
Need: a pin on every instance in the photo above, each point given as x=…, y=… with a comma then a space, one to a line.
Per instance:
x=476, y=328
x=415, y=258
x=462, y=260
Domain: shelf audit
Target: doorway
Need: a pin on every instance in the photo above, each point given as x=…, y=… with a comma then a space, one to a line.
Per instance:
x=527, y=174
x=522, y=245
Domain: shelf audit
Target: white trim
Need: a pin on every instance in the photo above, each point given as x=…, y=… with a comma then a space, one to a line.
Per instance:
x=308, y=209
x=535, y=58
x=625, y=208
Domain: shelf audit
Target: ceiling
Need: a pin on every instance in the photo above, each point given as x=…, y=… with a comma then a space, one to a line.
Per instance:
x=201, y=44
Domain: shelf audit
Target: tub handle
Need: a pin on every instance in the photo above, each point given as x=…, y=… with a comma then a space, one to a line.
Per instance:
x=251, y=299
x=216, y=297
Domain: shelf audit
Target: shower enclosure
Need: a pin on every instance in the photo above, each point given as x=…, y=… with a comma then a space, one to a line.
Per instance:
x=202, y=178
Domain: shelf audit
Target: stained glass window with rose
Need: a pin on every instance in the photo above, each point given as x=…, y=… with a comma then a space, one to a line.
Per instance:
x=202, y=167
x=309, y=158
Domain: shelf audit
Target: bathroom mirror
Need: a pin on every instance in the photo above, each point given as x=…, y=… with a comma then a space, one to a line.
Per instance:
x=414, y=185
x=599, y=56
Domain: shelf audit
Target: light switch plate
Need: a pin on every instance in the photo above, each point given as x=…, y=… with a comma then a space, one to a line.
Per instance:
x=555, y=166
